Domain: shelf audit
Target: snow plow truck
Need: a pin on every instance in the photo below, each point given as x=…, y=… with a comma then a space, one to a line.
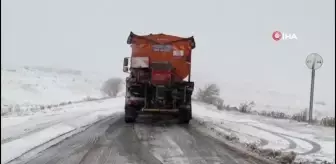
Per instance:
x=159, y=76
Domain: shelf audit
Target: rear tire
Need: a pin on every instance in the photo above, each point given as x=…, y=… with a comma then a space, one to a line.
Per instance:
x=130, y=115
x=185, y=116
x=129, y=119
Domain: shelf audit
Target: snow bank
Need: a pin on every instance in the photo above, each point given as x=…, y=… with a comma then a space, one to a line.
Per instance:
x=16, y=148
x=312, y=143
x=67, y=101
x=14, y=127
x=45, y=127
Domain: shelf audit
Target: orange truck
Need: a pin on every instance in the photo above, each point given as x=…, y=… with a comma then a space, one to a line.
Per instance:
x=159, y=76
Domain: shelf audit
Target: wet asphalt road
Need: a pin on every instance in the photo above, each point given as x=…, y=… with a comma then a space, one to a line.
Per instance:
x=112, y=141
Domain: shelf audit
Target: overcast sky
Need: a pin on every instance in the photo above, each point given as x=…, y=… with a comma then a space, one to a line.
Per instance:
x=233, y=38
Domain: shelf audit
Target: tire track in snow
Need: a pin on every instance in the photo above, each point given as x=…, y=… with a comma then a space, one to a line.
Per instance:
x=315, y=146
x=71, y=149
x=292, y=144
x=172, y=144
x=131, y=145
x=140, y=144
x=201, y=149
x=155, y=137
x=110, y=147
x=179, y=144
x=263, y=141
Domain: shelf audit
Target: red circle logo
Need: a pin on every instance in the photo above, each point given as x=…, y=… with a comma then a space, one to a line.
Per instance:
x=276, y=35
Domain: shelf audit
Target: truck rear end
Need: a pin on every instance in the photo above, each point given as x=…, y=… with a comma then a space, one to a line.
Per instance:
x=159, y=80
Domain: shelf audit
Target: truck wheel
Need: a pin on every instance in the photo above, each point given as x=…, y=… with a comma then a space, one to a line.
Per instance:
x=129, y=119
x=130, y=115
x=184, y=116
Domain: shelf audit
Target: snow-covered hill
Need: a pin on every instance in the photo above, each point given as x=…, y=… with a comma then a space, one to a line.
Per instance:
x=36, y=85
x=39, y=85
x=234, y=93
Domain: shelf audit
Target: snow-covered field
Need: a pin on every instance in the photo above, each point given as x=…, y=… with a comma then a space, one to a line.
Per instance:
x=312, y=143
x=31, y=86
x=22, y=134
x=234, y=94
x=26, y=87
x=35, y=85
x=28, y=132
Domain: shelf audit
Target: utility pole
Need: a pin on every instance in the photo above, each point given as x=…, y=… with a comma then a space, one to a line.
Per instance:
x=311, y=100
x=313, y=61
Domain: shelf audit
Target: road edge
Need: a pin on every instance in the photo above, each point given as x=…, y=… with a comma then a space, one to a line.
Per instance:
x=232, y=146
x=57, y=139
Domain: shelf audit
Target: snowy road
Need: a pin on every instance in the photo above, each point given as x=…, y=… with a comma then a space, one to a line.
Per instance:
x=94, y=132
x=112, y=141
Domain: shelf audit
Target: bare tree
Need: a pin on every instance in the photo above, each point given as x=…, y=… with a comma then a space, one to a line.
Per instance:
x=112, y=87
x=210, y=94
x=219, y=103
x=246, y=107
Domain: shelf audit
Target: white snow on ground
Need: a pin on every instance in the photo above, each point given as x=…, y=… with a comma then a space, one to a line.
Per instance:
x=310, y=142
x=31, y=87
x=26, y=86
x=31, y=131
x=13, y=127
x=267, y=100
x=16, y=148
x=35, y=86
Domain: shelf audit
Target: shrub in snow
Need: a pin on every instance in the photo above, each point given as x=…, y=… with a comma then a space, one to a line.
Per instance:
x=286, y=157
x=274, y=114
x=280, y=157
x=246, y=107
x=17, y=109
x=252, y=146
x=301, y=116
x=210, y=95
x=88, y=98
x=112, y=87
x=219, y=103
x=62, y=103
x=233, y=108
x=269, y=153
x=328, y=121
x=231, y=138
